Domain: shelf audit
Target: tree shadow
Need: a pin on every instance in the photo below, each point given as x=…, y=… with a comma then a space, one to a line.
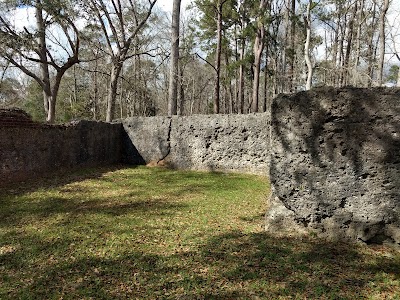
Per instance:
x=335, y=155
x=232, y=265
x=55, y=178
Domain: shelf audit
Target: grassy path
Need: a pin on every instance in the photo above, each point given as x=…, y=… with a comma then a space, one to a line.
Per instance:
x=148, y=233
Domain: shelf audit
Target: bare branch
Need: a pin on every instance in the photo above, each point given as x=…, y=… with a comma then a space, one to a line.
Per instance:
x=206, y=61
x=24, y=69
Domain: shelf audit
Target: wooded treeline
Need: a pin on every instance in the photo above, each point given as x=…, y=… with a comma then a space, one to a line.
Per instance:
x=109, y=59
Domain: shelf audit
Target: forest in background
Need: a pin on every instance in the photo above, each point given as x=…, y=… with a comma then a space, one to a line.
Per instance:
x=110, y=59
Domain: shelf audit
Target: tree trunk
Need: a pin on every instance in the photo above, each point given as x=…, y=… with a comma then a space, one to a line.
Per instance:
x=218, y=57
x=112, y=91
x=371, y=49
x=382, y=41
x=258, y=50
x=342, y=30
x=95, y=90
x=241, y=77
x=181, y=93
x=174, y=69
x=358, y=43
x=292, y=45
x=52, y=100
x=335, y=63
x=307, y=21
x=44, y=67
x=265, y=102
x=286, y=46
x=350, y=29
x=256, y=79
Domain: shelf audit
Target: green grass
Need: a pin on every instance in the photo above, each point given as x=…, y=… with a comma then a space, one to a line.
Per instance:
x=148, y=233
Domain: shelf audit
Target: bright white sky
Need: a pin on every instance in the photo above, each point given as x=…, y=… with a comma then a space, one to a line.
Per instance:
x=167, y=4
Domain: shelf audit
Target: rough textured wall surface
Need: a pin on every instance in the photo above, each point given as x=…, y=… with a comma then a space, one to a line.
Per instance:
x=203, y=142
x=148, y=137
x=28, y=148
x=335, y=163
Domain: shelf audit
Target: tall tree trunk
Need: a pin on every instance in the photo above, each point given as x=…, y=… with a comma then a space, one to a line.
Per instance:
x=95, y=89
x=335, y=62
x=286, y=46
x=112, y=90
x=54, y=92
x=218, y=57
x=228, y=84
x=174, y=69
x=371, y=47
x=266, y=75
x=241, y=76
x=342, y=30
x=350, y=29
x=258, y=50
x=358, y=42
x=181, y=94
x=44, y=67
x=307, y=22
x=292, y=45
x=382, y=41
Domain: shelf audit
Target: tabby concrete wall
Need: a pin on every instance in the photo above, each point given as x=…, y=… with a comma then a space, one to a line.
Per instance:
x=28, y=148
x=237, y=143
x=335, y=163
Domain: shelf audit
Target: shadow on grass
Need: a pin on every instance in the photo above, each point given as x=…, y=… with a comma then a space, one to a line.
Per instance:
x=54, y=195
x=54, y=179
x=88, y=251
x=229, y=266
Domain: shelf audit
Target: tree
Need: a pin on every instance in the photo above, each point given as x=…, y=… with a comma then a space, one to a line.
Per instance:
x=31, y=47
x=307, y=22
x=243, y=21
x=393, y=74
x=213, y=17
x=292, y=50
x=218, y=7
x=120, y=23
x=258, y=50
x=382, y=40
x=173, y=77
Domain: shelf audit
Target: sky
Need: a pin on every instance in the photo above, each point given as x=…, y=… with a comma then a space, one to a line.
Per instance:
x=167, y=4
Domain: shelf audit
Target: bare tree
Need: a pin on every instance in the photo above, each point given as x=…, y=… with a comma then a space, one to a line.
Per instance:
x=174, y=69
x=382, y=41
x=292, y=45
x=28, y=48
x=241, y=58
x=114, y=17
x=307, y=22
x=217, y=86
x=258, y=50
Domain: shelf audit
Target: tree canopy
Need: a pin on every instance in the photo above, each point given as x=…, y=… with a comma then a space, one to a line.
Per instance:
x=109, y=59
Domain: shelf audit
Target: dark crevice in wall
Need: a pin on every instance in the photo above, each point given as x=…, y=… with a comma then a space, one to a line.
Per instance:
x=238, y=143
x=168, y=141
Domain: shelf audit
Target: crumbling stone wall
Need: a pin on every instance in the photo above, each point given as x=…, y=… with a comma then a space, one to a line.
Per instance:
x=335, y=163
x=203, y=142
x=29, y=148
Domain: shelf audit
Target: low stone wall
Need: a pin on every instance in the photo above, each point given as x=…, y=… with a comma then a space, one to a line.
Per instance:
x=202, y=142
x=28, y=148
x=335, y=163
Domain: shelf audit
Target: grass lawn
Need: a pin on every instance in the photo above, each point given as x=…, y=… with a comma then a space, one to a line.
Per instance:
x=149, y=233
